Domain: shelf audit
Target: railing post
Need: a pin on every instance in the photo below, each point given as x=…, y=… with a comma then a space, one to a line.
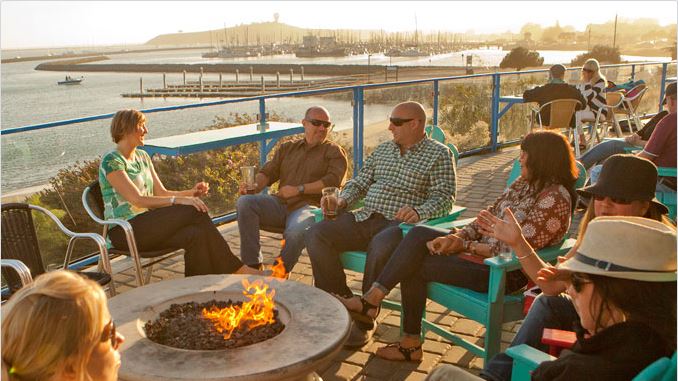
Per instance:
x=633, y=72
x=357, y=133
x=263, y=152
x=494, y=111
x=665, y=66
x=435, y=102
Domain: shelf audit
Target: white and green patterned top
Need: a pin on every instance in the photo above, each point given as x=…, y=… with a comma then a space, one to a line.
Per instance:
x=138, y=170
x=423, y=178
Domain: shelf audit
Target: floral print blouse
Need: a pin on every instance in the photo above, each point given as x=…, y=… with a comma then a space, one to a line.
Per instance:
x=544, y=216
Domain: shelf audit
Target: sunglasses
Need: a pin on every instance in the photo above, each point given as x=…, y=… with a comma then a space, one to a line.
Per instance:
x=110, y=334
x=578, y=282
x=318, y=123
x=587, y=70
x=399, y=122
x=616, y=200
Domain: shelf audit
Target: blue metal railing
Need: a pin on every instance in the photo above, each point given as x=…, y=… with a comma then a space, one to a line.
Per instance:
x=358, y=92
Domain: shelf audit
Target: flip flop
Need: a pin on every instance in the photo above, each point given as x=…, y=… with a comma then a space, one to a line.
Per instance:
x=406, y=352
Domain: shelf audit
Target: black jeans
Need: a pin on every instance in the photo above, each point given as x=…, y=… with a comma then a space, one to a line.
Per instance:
x=413, y=266
x=326, y=240
x=181, y=226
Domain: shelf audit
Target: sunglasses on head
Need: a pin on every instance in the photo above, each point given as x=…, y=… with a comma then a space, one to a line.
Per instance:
x=399, y=122
x=578, y=281
x=318, y=123
x=110, y=333
x=616, y=200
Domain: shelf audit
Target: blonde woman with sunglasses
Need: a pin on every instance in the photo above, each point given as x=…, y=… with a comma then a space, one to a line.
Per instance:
x=59, y=328
x=593, y=89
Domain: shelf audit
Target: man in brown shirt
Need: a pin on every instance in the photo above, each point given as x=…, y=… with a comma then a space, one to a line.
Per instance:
x=303, y=167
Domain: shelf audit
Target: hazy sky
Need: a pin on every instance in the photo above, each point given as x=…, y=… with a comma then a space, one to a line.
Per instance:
x=76, y=23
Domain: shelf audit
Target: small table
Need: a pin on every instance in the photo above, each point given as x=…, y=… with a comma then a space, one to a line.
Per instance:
x=510, y=100
x=223, y=137
x=316, y=326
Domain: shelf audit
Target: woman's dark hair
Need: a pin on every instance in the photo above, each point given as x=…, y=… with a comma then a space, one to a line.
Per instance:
x=650, y=303
x=550, y=161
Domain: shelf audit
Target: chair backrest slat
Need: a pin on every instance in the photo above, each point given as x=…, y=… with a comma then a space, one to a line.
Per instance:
x=95, y=200
x=20, y=241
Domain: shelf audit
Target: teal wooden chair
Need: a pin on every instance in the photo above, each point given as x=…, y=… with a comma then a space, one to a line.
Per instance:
x=668, y=198
x=526, y=359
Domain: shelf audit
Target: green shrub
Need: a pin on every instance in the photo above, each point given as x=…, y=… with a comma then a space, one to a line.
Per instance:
x=520, y=58
x=604, y=54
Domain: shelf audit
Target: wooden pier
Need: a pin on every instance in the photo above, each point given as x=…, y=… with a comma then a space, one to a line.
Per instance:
x=241, y=88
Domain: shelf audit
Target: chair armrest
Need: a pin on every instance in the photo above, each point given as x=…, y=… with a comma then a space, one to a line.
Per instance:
x=525, y=360
x=666, y=171
x=318, y=213
x=405, y=227
x=20, y=268
x=547, y=254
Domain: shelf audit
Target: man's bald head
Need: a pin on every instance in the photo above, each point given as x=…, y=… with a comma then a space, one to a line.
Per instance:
x=414, y=109
x=311, y=111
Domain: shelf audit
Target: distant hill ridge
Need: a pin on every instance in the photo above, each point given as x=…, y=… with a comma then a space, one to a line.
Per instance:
x=256, y=34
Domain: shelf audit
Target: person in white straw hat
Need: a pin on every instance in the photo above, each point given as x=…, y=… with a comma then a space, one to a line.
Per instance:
x=622, y=281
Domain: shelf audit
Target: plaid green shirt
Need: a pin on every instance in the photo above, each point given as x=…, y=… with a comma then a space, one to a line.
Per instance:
x=423, y=178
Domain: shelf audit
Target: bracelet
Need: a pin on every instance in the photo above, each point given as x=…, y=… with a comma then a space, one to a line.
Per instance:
x=473, y=247
x=172, y=200
x=465, y=244
x=525, y=256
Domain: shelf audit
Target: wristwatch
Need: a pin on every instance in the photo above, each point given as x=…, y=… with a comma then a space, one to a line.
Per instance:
x=300, y=188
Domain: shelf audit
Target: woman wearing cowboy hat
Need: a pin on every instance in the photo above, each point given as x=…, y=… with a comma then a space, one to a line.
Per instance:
x=626, y=188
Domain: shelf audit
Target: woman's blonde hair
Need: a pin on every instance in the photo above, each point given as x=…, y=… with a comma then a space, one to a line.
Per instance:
x=52, y=325
x=125, y=122
x=593, y=65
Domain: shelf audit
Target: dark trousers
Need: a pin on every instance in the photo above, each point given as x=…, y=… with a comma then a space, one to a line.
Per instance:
x=413, y=266
x=326, y=240
x=181, y=226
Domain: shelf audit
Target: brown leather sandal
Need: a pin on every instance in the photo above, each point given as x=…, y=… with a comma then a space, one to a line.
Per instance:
x=362, y=315
x=406, y=352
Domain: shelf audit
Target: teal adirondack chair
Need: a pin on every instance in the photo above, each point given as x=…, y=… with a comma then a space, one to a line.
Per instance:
x=668, y=198
x=526, y=359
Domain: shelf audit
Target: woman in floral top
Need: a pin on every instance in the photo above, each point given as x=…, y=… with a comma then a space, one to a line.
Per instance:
x=541, y=199
x=160, y=218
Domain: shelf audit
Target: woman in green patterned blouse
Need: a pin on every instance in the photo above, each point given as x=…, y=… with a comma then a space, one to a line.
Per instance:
x=160, y=218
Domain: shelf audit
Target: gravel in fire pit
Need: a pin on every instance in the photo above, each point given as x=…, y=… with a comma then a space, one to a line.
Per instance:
x=183, y=326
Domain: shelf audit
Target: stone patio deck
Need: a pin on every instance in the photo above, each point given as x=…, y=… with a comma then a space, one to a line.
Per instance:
x=480, y=180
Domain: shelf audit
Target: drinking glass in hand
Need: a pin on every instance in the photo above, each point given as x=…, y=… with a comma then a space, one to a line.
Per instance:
x=248, y=173
x=330, y=202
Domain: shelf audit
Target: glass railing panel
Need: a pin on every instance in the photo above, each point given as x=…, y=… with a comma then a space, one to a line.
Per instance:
x=516, y=122
x=464, y=114
x=379, y=103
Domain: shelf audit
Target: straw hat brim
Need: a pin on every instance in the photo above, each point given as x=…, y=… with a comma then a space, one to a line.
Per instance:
x=575, y=266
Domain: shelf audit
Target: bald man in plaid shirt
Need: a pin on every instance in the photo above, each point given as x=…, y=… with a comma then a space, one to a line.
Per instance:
x=409, y=179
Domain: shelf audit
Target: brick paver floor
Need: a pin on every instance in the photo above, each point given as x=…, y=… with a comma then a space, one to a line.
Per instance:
x=481, y=179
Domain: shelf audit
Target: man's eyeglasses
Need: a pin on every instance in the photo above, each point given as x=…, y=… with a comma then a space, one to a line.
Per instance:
x=578, y=282
x=110, y=333
x=399, y=122
x=318, y=123
x=616, y=200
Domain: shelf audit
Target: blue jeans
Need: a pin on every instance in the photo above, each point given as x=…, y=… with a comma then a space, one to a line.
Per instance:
x=263, y=210
x=327, y=239
x=546, y=312
x=602, y=151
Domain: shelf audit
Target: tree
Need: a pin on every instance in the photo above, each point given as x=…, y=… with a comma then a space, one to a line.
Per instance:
x=520, y=58
x=604, y=54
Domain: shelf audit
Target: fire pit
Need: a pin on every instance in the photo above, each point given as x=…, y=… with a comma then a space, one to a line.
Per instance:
x=315, y=327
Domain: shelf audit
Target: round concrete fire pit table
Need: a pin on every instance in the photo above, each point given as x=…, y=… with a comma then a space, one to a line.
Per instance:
x=316, y=326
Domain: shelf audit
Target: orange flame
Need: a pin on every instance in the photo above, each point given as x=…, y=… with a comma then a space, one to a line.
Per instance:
x=255, y=312
x=278, y=269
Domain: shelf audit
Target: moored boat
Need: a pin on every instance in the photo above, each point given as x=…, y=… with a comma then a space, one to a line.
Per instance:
x=71, y=81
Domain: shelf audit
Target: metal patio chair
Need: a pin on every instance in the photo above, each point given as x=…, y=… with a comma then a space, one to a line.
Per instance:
x=20, y=242
x=93, y=203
